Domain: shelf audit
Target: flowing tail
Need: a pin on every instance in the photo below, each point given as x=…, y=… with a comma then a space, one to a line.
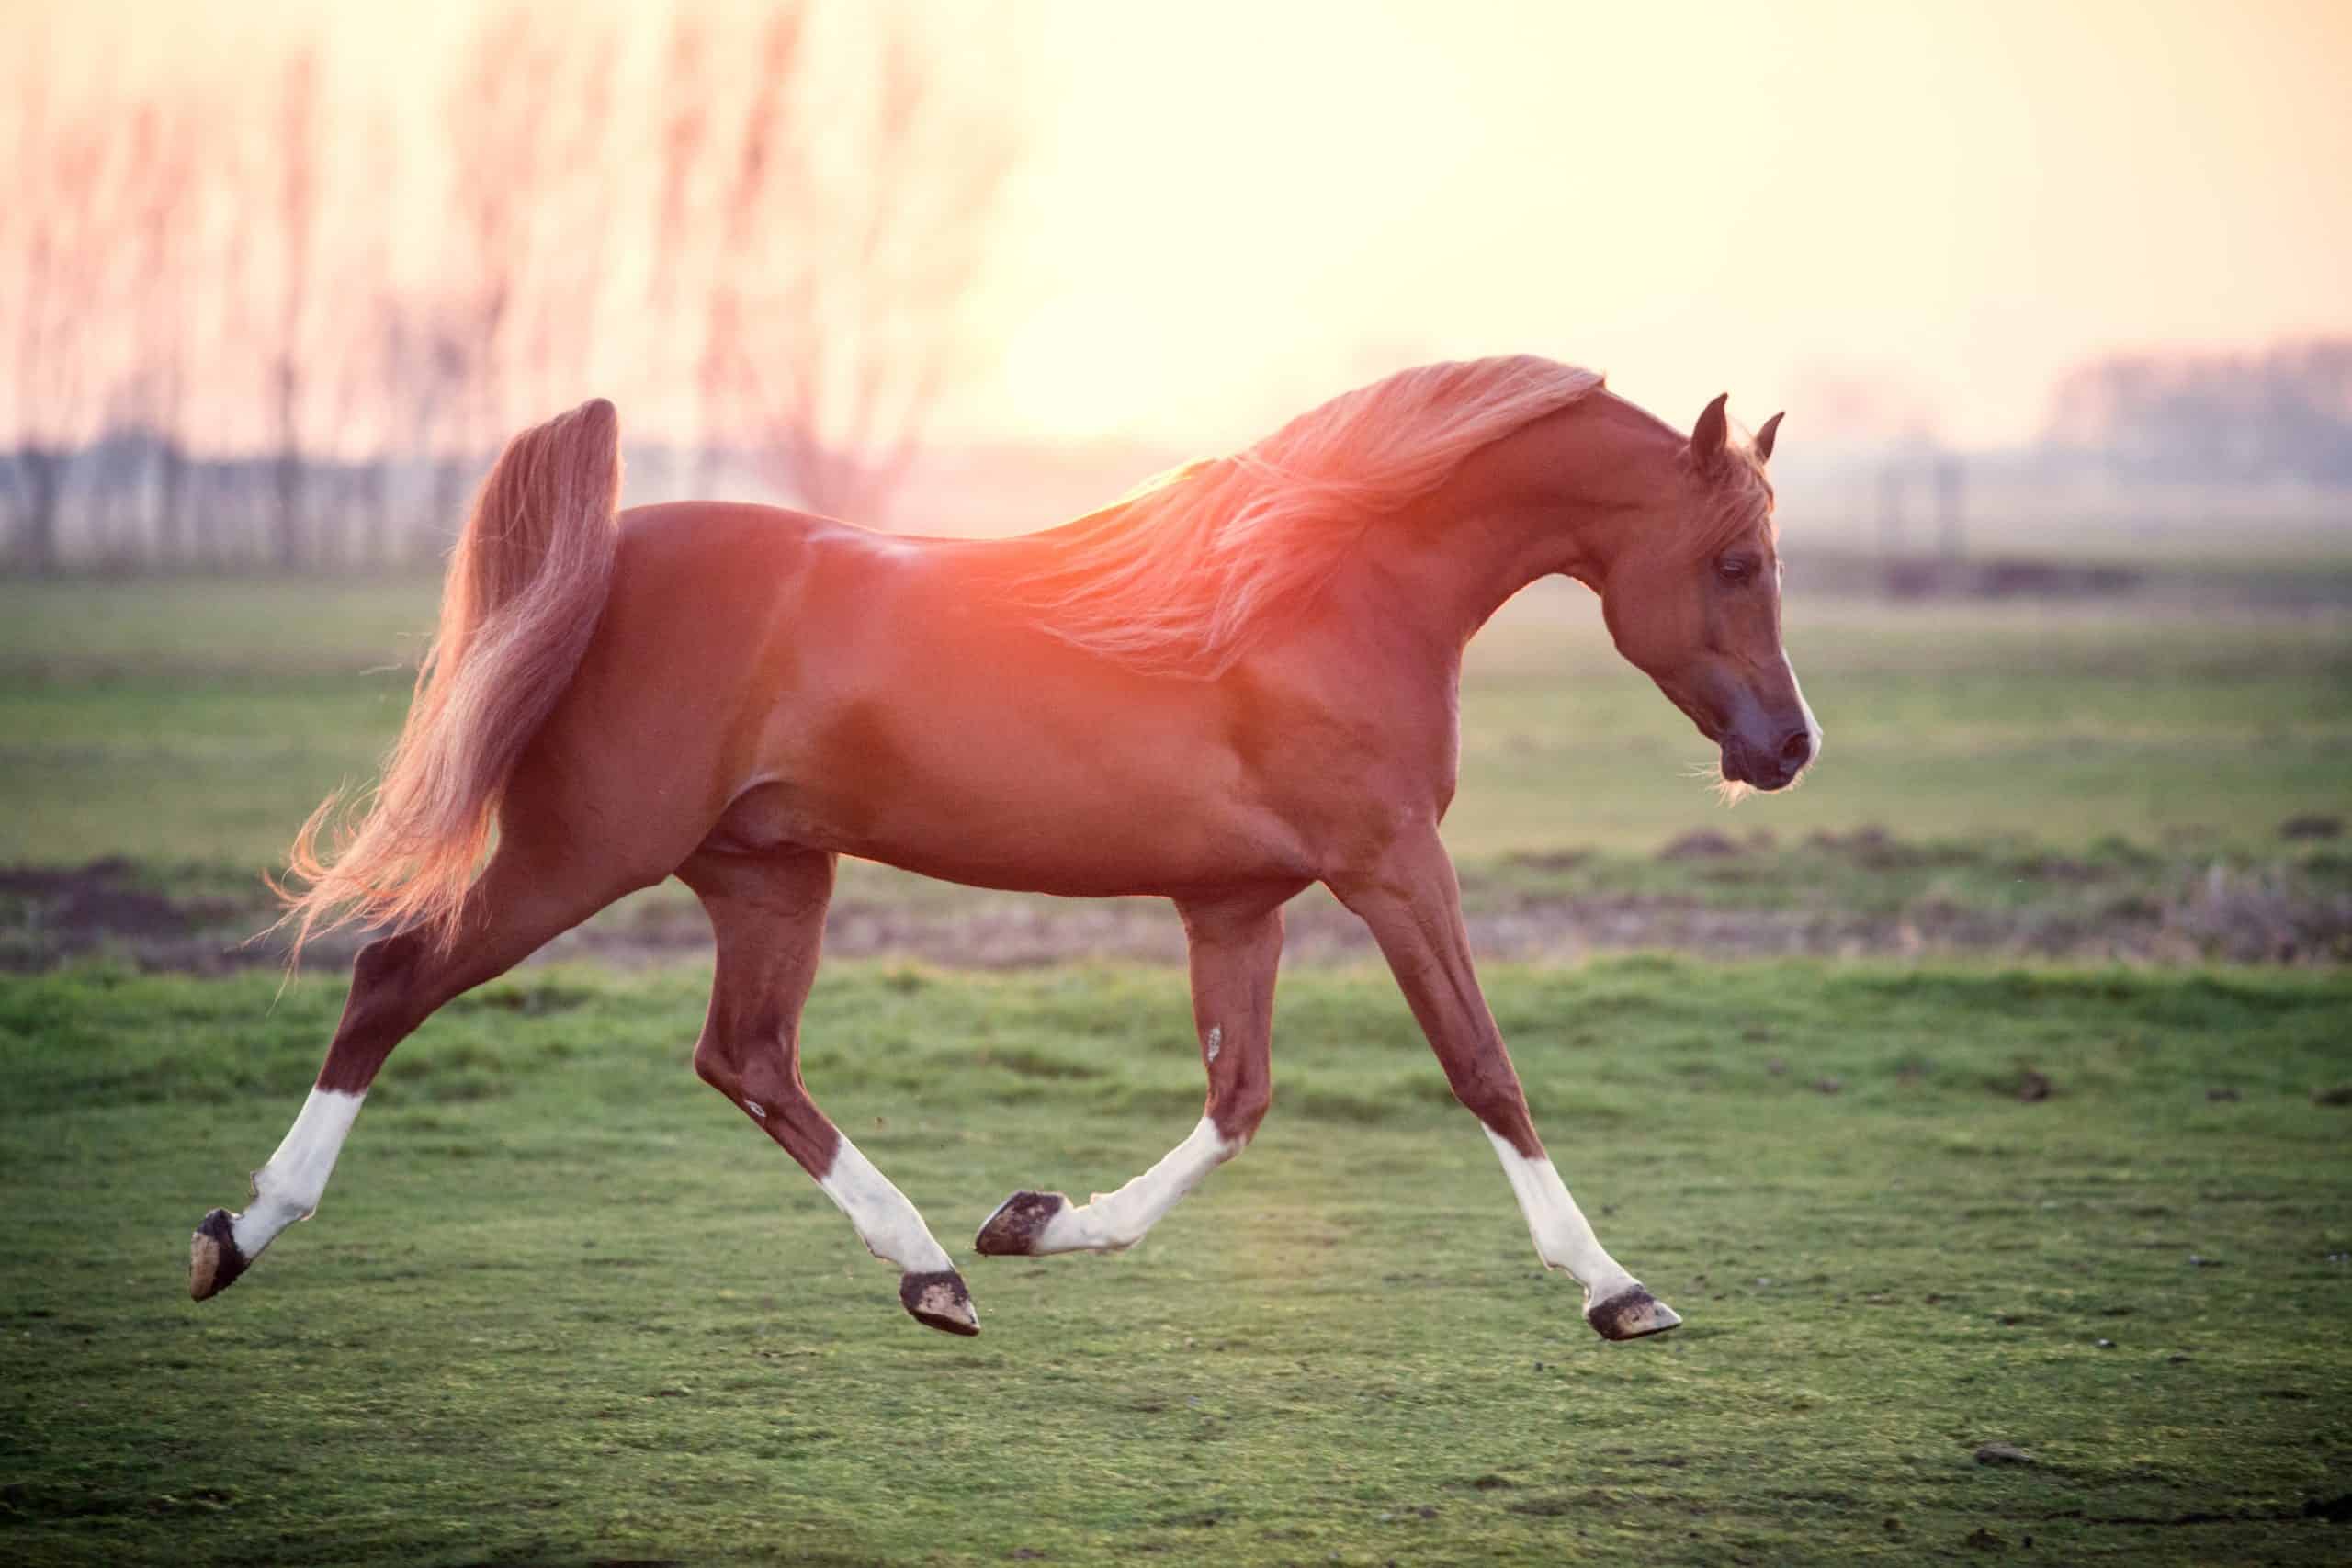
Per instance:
x=526, y=584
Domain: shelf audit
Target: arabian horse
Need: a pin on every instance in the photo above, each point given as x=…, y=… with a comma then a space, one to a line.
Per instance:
x=1238, y=681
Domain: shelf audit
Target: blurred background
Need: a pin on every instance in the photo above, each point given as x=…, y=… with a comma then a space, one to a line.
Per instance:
x=2055, y=296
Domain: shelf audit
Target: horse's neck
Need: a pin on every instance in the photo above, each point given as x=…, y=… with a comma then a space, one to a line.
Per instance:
x=1554, y=498
x=1457, y=564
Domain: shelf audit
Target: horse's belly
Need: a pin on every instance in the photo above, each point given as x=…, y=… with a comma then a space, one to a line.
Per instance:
x=1076, y=830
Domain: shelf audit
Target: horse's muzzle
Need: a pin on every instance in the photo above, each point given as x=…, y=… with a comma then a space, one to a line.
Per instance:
x=1774, y=760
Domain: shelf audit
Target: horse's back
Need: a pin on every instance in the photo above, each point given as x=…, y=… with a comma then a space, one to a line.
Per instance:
x=817, y=683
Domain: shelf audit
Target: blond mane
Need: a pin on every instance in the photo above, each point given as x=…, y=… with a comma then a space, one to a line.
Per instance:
x=1183, y=576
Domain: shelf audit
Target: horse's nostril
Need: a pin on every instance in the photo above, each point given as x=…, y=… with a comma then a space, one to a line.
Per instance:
x=1797, y=750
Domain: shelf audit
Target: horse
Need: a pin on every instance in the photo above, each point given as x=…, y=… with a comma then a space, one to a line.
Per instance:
x=1238, y=681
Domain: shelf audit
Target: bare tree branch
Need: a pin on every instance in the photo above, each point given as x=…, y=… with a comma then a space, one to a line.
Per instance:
x=295, y=153
x=854, y=228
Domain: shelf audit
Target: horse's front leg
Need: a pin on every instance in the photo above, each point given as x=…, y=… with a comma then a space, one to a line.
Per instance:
x=1411, y=901
x=1237, y=945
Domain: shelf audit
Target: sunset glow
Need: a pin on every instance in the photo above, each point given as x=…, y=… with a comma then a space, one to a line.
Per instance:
x=1915, y=214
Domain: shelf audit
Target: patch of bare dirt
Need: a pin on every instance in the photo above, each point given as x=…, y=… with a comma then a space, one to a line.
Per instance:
x=98, y=896
x=1702, y=846
x=53, y=917
x=1875, y=849
x=2254, y=916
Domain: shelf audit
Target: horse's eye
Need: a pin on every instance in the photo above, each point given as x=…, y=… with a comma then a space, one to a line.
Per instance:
x=1736, y=568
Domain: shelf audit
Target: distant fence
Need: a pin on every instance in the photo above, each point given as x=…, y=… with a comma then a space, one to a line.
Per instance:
x=138, y=503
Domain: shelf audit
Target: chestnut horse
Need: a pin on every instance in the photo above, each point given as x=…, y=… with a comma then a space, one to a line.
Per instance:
x=1235, y=682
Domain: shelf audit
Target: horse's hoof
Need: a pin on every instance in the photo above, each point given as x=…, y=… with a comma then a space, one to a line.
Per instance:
x=938, y=1300
x=1013, y=1231
x=1632, y=1314
x=213, y=1260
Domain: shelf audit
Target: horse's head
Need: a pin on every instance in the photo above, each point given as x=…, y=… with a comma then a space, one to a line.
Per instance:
x=1693, y=600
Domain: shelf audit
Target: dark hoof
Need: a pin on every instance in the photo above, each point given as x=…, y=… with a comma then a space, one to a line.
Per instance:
x=1632, y=1314
x=938, y=1300
x=213, y=1260
x=1013, y=1231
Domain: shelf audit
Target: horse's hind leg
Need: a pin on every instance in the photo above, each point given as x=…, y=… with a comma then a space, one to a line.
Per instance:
x=1237, y=945
x=767, y=910
x=528, y=893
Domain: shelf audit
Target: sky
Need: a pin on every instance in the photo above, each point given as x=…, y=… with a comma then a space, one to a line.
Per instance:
x=1886, y=218
x=1950, y=202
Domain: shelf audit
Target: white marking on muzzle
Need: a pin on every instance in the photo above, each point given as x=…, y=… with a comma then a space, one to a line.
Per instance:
x=1812, y=725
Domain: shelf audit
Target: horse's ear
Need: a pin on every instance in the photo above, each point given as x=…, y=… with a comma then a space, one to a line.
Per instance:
x=1764, y=439
x=1707, y=436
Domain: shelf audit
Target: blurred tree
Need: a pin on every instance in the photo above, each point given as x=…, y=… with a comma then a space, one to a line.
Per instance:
x=495, y=119
x=856, y=200
x=163, y=180
x=683, y=245
x=535, y=185
x=2285, y=414
x=428, y=366
x=819, y=193
x=294, y=153
x=360, y=346
x=53, y=292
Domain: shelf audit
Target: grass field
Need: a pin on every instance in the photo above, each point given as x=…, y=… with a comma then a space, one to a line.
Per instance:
x=564, y=1305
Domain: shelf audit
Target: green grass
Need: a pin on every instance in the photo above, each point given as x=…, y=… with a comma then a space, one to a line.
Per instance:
x=564, y=1305
x=2061, y=727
